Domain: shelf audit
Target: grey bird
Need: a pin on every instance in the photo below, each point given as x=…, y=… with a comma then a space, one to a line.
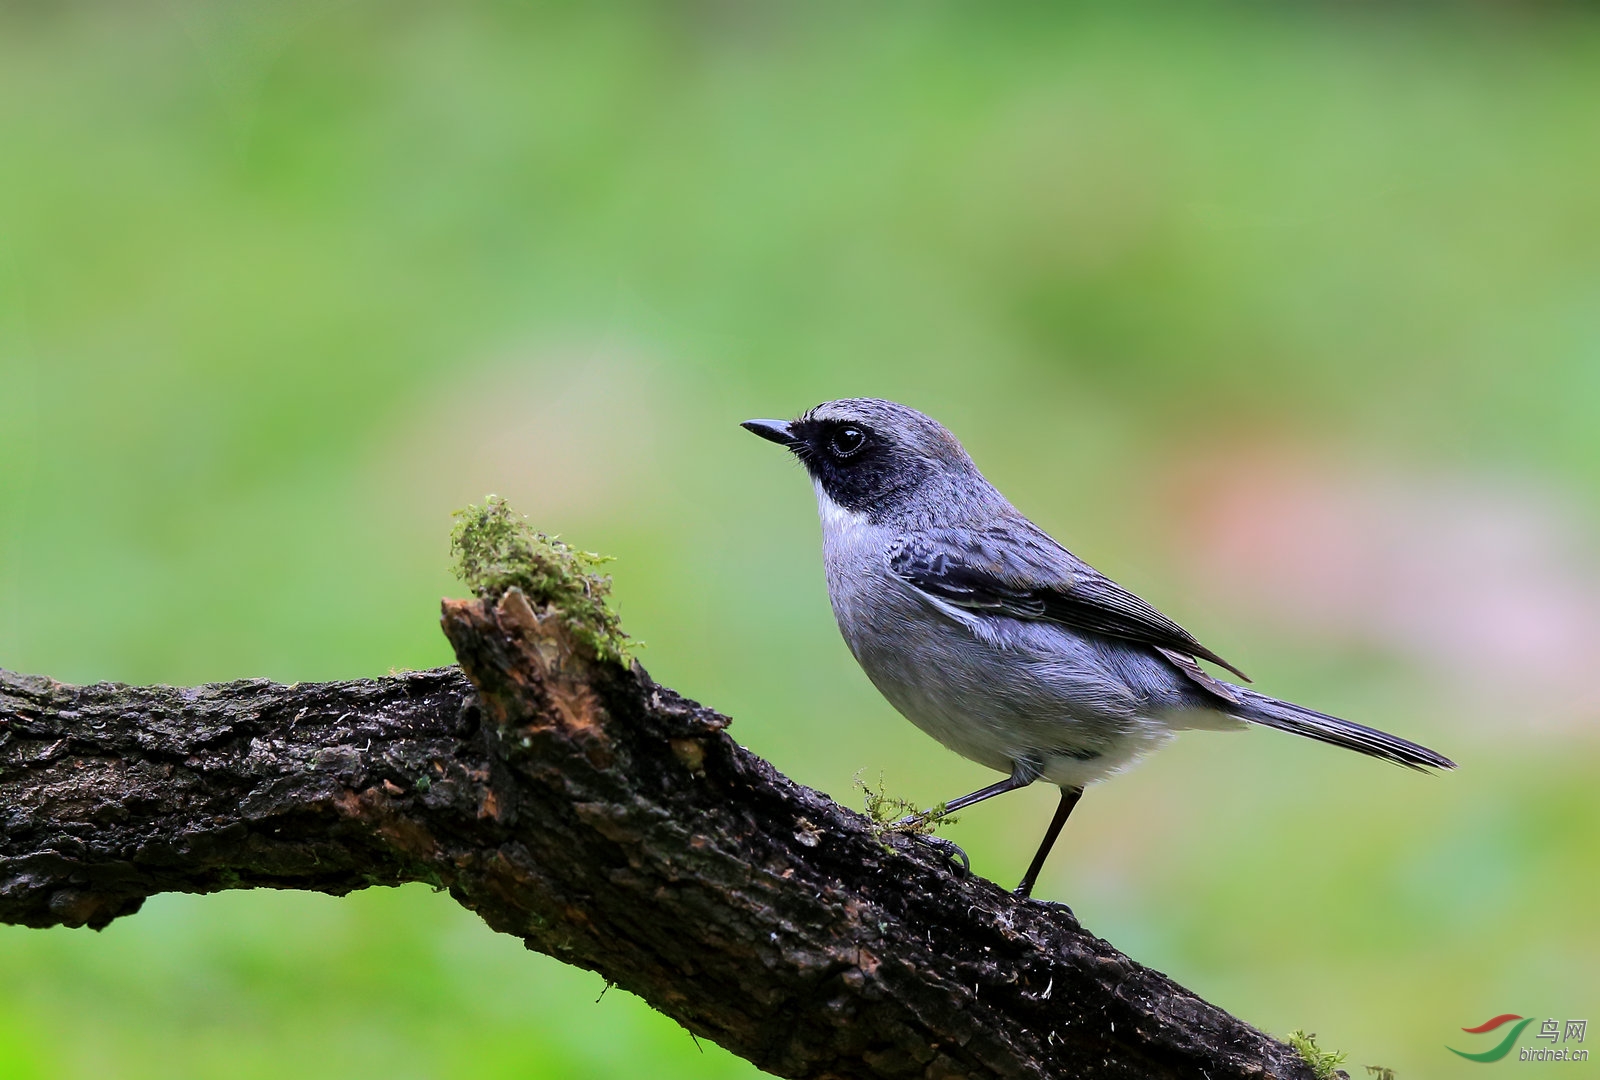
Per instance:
x=996, y=640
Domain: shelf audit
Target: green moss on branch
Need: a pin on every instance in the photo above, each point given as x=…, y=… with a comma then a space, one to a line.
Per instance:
x=496, y=549
x=1324, y=1063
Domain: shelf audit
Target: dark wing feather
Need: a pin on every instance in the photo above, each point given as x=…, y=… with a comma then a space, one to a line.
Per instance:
x=1027, y=575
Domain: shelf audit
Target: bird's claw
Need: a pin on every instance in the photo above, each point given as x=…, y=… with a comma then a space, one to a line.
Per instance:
x=947, y=848
x=912, y=827
x=1053, y=905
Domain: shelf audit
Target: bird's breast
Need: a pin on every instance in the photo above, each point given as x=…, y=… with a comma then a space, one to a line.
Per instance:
x=1012, y=690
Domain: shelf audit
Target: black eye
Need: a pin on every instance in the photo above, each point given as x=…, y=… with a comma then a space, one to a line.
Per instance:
x=846, y=441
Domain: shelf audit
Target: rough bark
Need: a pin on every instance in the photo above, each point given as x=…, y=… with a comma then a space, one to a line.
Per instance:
x=607, y=822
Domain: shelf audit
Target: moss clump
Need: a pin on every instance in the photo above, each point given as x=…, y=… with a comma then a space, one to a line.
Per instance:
x=1324, y=1063
x=496, y=550
x=892, y=814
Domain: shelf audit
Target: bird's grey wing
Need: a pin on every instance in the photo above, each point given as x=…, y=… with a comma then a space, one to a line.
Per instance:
x=1021, y=572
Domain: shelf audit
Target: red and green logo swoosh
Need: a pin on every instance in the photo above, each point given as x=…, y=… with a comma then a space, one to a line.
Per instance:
x=1505, y=1044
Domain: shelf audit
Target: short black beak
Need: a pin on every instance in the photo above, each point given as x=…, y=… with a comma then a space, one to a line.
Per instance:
x=773, y=430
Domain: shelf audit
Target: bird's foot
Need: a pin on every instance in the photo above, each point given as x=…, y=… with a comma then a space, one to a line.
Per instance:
x=917, y=828
x=948, y=849
x=1052, y=905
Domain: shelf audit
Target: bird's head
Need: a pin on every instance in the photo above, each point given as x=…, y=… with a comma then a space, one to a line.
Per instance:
x=870, y=456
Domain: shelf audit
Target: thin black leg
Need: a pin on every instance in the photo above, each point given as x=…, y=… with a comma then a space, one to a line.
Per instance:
x=1069, y=799
x=1011, y=783
x=1000, y=788
x=1023, y=773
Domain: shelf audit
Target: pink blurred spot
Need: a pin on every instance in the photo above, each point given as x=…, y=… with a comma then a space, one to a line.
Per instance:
x=1488, y=584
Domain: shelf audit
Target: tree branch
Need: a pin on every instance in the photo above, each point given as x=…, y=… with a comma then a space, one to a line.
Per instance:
x=607, y=822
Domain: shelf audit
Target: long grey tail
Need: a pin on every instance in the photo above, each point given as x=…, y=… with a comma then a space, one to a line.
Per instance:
x=1286, y=716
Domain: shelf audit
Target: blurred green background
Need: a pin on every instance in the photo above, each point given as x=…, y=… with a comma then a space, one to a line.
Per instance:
x=1286, y=316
